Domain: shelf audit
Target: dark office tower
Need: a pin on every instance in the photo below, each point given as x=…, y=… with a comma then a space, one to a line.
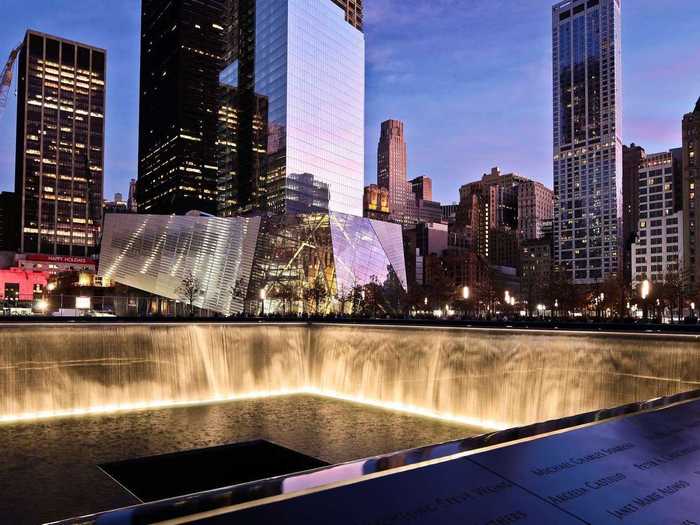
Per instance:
x=297, y=69
x=587, y=155
x=182, y=46
x=60, y=145
x=632, y=158
x=691, y=203
x=353, y=11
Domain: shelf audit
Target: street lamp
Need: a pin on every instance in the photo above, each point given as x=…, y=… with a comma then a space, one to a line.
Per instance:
x=263, y=296
x=42, y=305
x=645, y=294
x=465, y=293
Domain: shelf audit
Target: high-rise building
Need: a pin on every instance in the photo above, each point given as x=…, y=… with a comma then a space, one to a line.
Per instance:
x=60, y=145
x=587, y=161
x=473, y=218
x=428, y=211
x=536, y=263
x=131, y=200
x=305, y=58
x=509, y=203
x=182, y=46
x=421, y=241
x=535, y=209
x=449, y=212
x=690, y=179
x=632, y=158
x=391, y=172
x=658, y=246
x=422, y=188
x=117, y=205
x=502, y=190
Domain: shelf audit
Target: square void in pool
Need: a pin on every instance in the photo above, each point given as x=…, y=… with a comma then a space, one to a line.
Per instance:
x=168, y=475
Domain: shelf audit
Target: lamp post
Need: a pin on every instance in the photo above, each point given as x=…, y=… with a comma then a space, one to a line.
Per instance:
x=263, y=296
x=465, y=296
x=645, y=295
x=692, y=310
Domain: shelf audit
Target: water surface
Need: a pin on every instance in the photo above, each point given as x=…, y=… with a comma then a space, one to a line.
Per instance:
x=49, y=469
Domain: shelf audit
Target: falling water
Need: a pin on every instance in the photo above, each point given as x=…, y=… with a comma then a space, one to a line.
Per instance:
x=500, y=378
x=57, y=369
x=494, y=378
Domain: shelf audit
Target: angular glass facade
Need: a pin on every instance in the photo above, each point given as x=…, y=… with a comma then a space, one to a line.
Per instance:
x=587, y=137
x=311, y=263
x=156, y=253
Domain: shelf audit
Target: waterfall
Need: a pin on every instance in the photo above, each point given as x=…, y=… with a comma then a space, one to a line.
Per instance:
x=493, y=378
x=70, y=369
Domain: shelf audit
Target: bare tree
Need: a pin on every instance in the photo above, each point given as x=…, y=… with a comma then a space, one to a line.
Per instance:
x=239, y=291
x=316, y=292
x=678, y=289
x=562, y=294
x=344, y=298
x=284, y=292
x=189, y=290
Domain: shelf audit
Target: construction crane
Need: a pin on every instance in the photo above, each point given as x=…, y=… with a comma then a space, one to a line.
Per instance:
x=6, y=78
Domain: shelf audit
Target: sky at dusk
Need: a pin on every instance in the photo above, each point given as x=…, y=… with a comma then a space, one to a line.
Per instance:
x=470, y=78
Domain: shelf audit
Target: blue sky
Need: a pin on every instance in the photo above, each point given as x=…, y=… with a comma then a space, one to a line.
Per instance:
x=470, y=78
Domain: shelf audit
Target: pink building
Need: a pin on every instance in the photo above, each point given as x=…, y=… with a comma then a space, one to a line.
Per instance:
x=19, y=284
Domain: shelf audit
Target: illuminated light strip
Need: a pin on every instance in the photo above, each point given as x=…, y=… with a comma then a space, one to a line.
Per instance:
x=411, y=409
x=142, y=405
x=117, y=408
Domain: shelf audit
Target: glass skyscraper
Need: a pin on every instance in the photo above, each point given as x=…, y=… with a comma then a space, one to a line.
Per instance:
x=586, y=51
x=306, y=59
